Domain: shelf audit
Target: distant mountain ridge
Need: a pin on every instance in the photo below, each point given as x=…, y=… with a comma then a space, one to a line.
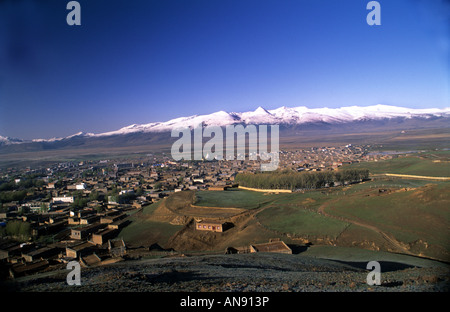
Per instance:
x=286, y=116
x=283, y=116
x=298, y=125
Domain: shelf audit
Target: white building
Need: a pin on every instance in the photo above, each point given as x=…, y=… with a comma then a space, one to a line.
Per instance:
x=81, y=186
x=126, y=192
x=64, y=199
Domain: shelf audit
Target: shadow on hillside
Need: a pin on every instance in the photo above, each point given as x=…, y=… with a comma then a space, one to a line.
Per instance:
x=296, y=249
x=386, y=266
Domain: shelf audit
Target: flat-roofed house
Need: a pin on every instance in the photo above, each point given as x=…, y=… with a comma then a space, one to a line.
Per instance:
x=90, y=219
x=112, y=218
x=79, y=250
x=62, y=199
x=116, y=247
x=73, y=220
x=272, y=246
x=41, y=253
x=84, y=232
x=20, y=269
x=209, y=226
x=90, y=260
x=119, y=224
x=102, y=236
x=9, y=249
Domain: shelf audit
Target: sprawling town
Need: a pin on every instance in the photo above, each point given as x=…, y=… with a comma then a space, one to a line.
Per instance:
x=51, y=215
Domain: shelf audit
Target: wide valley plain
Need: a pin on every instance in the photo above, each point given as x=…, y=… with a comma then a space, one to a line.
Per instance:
x=401, y=221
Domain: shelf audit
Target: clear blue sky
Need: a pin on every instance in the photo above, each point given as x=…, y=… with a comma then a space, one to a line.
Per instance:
x=145, y=61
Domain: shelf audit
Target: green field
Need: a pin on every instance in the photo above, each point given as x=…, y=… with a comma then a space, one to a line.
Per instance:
x=301, y=222
x=145, y=231
x=411, y=215
x=435, y=164
x=149, y=209
x=413, y=212
x=238, y=198
x=403, y=212
x=234, y=198
x=294, y=213
x=388, y=182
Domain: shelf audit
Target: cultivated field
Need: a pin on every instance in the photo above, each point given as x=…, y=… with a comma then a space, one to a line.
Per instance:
x=403, y=216
x=388, y=213
x=434, y=164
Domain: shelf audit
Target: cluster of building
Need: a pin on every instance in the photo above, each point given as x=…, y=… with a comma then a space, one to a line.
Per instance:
x=81, y=207
x=324, y=158
x=59, y=236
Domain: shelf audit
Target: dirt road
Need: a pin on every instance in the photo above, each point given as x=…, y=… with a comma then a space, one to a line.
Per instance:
x=395, y=243
x=409, y=176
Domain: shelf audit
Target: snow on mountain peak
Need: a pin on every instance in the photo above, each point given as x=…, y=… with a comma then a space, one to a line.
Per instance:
x=281, y=115
x=261, y=110
x=7, y=140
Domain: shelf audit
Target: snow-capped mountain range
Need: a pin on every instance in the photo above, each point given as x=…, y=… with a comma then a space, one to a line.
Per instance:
x=283, y=116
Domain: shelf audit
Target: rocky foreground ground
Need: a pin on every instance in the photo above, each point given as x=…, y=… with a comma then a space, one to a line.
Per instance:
x=240, y=273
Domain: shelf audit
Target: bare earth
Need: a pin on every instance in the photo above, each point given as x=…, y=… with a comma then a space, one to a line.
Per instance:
x=243, y=273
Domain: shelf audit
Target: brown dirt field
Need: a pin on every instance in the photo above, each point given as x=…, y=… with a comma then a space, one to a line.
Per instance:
x=211, y=212
x=178, y=209
x=245, y=230
x=162, y=214
x=180, y=205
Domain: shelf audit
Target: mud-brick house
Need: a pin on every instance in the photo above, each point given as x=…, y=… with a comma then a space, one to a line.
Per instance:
x=90, y=260
x=73, y=220
x=210, y=226
x=41, y=253
x=84, y=232
x=21, y=269
x=218, y=188
x=47, y=229
x=10, y=248
x=113, y=218
x=120, y=224
x=89, y=219
x=102, y=236
x=116, y=247
x=276, y=246
x=237, y=250
x=79, y=250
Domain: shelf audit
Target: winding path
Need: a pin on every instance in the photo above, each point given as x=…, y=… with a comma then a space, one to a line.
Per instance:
x=398, y=245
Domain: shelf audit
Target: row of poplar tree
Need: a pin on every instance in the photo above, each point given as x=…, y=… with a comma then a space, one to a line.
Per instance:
x=300, y=180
